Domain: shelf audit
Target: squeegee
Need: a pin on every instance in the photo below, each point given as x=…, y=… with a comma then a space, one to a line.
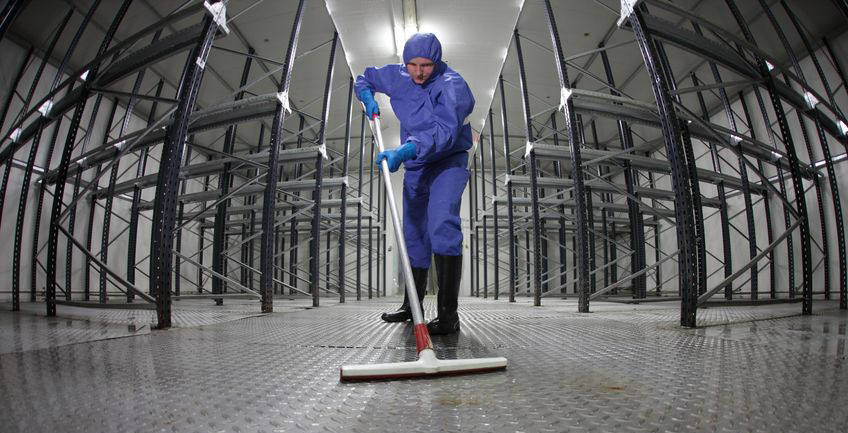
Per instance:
x=428, y=364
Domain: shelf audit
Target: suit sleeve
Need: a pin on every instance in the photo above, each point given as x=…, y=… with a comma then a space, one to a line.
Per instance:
x=444, y=133
x=377, y=79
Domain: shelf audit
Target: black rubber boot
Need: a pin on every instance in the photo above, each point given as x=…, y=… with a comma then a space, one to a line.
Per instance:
x=448, y=274
x=404, y=313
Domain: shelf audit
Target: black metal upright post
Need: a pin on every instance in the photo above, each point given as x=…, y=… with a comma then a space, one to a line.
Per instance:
x=590, y=212
x=61, y=178
x=485, y=224
x=319, y=167
x=722, y=196
x=378, y=235
x=219, y=236
x=136, y=197
x=657, y=240
x=384, y=230
x=371, y=220
x=359, y=209
x=495, y=228
x=694, y=183
x=266, y=244
x=200, y=243
x=528, y=281
x=13, y=87
x=474, y=230
x=581, y=219
x=746, y=190
x=39, y=208
x=562, y=238
x=817, y=184
x=110, y=192
x=637, y=225
x=92, y=207
x=797, y=183
x=534, y=173
x=22, y=202
x=251, y=216
x=613, y=254
x=790, y=250
x=178, y=247
x=294, y=237
x=508, y=184
x=327, y=241
x=828, y=162
x=167, y=181
x=69, y=251
x=343, y=217
x=687, y=260
x=380, y=227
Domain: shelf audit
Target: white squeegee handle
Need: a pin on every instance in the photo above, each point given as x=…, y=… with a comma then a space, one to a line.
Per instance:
x=422, y=337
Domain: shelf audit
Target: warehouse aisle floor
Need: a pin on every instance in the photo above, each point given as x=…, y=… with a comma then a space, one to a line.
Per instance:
x=621, y=368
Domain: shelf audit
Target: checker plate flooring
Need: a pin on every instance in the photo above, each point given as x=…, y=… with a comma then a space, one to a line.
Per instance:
x=623, y=368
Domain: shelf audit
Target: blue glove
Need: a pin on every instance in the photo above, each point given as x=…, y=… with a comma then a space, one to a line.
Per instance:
x=371, y=107
x=394, y=157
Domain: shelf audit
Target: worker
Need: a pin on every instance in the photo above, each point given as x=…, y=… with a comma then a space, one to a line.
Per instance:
x=432, y=102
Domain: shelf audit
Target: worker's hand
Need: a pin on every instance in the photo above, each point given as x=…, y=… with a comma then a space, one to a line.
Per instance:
x=371, y=107
x=394, y=157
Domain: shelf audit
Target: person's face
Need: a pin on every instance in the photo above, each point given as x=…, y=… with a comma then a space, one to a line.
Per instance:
x=420, y=69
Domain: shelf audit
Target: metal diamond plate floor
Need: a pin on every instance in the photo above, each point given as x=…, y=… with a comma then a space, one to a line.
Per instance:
x=620, y=368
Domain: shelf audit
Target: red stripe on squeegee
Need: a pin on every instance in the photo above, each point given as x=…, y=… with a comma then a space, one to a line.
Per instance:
x=419, y=374
x=422, y=337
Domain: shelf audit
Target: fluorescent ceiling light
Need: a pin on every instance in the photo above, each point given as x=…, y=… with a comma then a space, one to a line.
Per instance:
x=407, y=28
x=401, y=36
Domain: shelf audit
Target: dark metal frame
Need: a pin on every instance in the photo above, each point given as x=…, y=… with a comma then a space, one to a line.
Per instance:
x=581, y=212
x=314, y=264
x=22, y=202
x=827, y=157
x=509, y=205
x=266, y=243
x=165, y=205
x=343, y=193
x=530, y=156
x=798, y=187
x=687, y=259
x=224, y=183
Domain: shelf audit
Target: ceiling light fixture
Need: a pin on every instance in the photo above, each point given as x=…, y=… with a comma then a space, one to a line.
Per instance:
x=407, y=28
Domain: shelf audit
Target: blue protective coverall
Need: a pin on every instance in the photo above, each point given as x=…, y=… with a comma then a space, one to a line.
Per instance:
x=433, y=116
